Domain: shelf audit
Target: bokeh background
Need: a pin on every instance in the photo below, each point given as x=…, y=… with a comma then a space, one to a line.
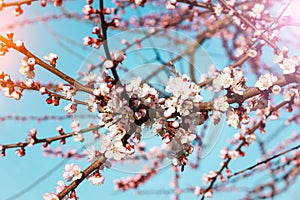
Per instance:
x=31, y=176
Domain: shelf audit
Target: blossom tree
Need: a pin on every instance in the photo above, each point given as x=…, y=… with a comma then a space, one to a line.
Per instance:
x=198, y=88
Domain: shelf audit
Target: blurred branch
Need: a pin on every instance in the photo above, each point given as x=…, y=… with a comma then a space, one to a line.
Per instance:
x=15, y=3
x=50, y=139
x=264, y=161
x=238, y=149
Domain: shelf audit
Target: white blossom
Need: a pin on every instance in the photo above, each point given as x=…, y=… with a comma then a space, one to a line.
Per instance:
x=70, y=108
x=73, y=172
x=89, y=77
x=112, y=149
x=226, y=78
x=278, y=58
x=218, y=9
x=178, y=87
x=50, y=196
x=118, y=56
x=265, y=81
x=288, y=65
x=216, y=116
x=221, y=104
x=61, y=186
x=233, y=154
x=257, y=10
x=232, y=118
x=133, y=85
x=276, y=89
x=96, y=179
x=289, y=93
x=252, y=53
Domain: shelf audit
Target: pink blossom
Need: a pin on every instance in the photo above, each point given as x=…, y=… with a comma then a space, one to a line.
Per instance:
x=168, y=113
x=289, y=93
x=218, y=9
x=50, y=196
x=43, y=90
x=140, y=2
x=112, y=149
x=289, y=65
x=179, y=88
x=198, y=191
x=276, y=89
x=43, y=3
x=96, y=30
x=167, y=138
x=31, y=61
x=170, y=6
x=70, y=108
x=52, y=58
x=96, y=179
x=88, y=41
x=232, y=118
x=115, y=23
x=233, y=154
x=88, y=10
x=108, y=64
x=221, y=104
x=75, y=125
x=19, y=43
x=265, y=81
x=73, y=172
x=223, y=153
x=118, y=56
x=231, y=2
x=257, y=11
x=29, y=83
x=58, y=2
x=252, y=53
x=61, y=186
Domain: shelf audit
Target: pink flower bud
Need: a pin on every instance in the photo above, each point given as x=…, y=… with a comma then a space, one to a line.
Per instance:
x=107, y=11
x=96, y=30
x=276, y=89
x=228, y=172
x=184, y=160
x=275, y=115
x=167, y=138
x=31, y=61
x=198, y=191
x=43, y=90
x=208, y=194
x=222, y=179
x=19, y=43
x=108, y=64
x=87, y=41
x=175, y=124
x=88, y=10
x=43, y=3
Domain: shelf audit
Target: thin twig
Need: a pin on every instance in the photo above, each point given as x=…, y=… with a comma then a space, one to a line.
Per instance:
x=264, y=161
x=51, y=139
x=46, y=66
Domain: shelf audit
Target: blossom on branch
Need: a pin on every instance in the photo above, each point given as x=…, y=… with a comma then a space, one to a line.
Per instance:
x=73, y=172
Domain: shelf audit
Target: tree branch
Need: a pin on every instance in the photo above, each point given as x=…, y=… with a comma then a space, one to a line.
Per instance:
x=265, y=161
x=46, y=66
x=252, y=91
x=94, y=166
x=50, y=139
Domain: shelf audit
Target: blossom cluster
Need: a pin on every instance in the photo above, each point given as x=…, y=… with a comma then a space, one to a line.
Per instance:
x=125, y=110
x=7, y=86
